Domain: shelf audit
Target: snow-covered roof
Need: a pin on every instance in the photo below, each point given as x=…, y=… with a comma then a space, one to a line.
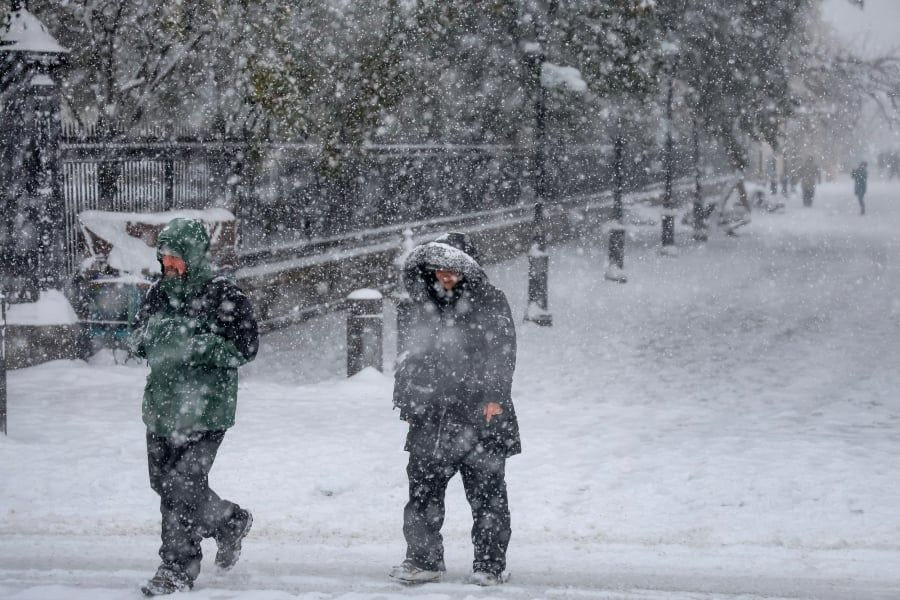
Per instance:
x=23, y=32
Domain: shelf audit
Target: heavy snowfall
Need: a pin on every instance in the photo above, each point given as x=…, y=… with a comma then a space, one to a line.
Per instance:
x=322, y=234
x=724, y=425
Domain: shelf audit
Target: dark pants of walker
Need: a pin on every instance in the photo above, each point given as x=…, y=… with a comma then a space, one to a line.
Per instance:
x=484, y=481
x=808, y=194
x=191, y=511
x=862, y=203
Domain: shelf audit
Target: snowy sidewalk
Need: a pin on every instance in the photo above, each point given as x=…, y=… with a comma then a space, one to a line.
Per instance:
x=727, y=424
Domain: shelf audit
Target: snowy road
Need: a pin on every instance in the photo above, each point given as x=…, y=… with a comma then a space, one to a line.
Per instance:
x=725, y=425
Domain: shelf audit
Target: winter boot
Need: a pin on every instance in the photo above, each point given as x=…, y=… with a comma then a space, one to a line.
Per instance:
x=485, y=579
x=168, y=580
x=229, y=538
x=408, y=572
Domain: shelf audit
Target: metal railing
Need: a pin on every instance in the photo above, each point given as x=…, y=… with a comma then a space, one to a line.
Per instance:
x=292, y=200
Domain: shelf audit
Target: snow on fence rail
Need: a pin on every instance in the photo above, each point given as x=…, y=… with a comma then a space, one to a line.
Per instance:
x=292, y=282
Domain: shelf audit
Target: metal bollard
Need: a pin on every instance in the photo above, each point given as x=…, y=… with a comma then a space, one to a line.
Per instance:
x=616, y=270
x=365, y=326
x=3, y=362
x=538, y=271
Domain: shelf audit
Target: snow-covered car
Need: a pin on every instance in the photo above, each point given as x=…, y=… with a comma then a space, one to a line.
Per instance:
x=119, y=263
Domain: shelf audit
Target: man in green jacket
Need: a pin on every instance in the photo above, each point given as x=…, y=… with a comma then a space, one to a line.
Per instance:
x=195, y=329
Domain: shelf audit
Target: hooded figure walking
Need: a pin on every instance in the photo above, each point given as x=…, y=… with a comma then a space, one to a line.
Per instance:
x=195, y=329
x=860, y=182
x=452, y=386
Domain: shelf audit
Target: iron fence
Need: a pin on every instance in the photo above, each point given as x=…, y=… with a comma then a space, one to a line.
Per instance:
x=289, y=192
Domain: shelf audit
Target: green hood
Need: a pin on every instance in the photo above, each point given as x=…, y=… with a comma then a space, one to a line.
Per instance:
x=188, y=239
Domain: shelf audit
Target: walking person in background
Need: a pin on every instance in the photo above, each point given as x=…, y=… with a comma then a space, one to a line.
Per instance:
x=453, y=388
x=773, y=175
x=893, y=165
x=195, y=329
x=787, y=177
x=809, y=176
x=860, y=184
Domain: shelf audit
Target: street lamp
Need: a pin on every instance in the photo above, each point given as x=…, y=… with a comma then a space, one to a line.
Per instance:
x=30, y=187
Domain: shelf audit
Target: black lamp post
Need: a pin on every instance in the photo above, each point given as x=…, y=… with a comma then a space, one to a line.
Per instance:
x=30, y=186
x=616, y=255
x=534, y=63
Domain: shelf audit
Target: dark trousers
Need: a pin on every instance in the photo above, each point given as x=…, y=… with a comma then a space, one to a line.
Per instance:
x=808, y=194
x=191, y=511
x=862, y=203
x=483, y=478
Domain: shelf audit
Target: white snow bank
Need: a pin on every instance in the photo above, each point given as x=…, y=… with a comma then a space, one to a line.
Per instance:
x=51, y=308
x=371, y=376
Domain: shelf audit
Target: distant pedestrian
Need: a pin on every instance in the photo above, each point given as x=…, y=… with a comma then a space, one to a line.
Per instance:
x=809, y=176
x=860, y=183
x=195, y=329
x=786, y=174
x=773, y=175
x=893, y=164
x=453, y=389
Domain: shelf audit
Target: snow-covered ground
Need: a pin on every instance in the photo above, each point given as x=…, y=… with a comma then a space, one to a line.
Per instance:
x=725, y=425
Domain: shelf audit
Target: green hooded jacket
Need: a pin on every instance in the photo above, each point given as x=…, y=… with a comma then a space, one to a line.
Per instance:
x=195, y=331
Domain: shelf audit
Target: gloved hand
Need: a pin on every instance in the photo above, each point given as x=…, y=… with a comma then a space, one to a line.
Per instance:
x=209, y=349
x=166, y=339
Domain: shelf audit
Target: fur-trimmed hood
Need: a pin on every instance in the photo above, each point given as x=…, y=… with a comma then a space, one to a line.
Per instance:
x=425, y=258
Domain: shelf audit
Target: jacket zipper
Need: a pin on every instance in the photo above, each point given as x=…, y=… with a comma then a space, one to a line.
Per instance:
x=437, y=441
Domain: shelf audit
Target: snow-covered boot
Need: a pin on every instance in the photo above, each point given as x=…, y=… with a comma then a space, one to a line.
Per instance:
x=409, y=572
x=168, y=580
x=485, y=579
x=229, y=538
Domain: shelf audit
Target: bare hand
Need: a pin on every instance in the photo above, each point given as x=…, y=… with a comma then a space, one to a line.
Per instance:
x=492, y=409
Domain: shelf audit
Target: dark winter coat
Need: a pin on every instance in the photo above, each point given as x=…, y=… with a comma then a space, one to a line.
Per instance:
x=860, y=180
x=809, y=175
x=461, y=356
x=195, y=332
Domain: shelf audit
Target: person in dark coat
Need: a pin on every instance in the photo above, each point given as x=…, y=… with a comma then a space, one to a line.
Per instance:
x=453, y=386
x=773, y=175
x=860, y=184
x=809, y=177
x=195, y=329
